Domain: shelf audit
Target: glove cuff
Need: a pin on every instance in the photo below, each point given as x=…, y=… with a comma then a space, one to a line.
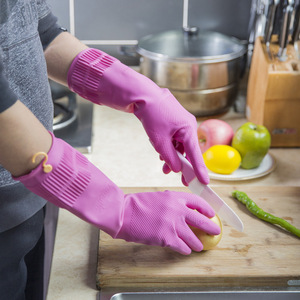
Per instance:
x=78, y=186
x=86, y=72
x=104, y=80
x=68, y=177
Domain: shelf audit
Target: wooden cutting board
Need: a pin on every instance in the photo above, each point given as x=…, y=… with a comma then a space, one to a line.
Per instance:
x=262, y=255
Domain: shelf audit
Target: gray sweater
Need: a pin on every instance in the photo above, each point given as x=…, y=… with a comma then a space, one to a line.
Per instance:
x=26, y=28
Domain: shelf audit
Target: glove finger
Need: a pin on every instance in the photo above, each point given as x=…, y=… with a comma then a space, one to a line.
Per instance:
x=197, y=203
x=180, y=246
x=183, y=180
x=187, y=235
x=202, y=222
x=188, y=140
x=179, y=147
x=166, y=169
x=170, y=156
x=198, y=164
x=194, y=155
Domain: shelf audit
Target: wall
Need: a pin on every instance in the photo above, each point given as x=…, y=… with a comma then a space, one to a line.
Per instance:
x=109, y=24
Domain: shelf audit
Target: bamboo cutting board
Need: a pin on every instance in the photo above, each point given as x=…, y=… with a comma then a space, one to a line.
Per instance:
x=262, y=255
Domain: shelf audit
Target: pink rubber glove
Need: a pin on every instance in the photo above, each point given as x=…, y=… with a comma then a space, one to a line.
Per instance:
x=102, y=79
x=159, y=218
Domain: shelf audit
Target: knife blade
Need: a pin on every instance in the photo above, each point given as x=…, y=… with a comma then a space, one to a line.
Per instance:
x=221, y=208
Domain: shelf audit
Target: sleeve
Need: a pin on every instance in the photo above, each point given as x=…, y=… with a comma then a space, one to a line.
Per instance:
x=49, y=29
x=7, y=96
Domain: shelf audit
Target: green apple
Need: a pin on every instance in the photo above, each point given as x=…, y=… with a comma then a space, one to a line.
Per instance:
x=253, y=142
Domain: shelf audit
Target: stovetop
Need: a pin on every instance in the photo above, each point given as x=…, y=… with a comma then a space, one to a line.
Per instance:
x=79, y=132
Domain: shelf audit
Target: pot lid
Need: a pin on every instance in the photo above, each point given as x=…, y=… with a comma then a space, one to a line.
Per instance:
x=190, y=45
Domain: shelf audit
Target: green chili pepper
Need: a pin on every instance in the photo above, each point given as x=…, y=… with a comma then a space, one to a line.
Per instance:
x=258, y=212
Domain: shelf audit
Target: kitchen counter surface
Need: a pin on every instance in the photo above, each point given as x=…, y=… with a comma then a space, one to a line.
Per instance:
x=122, y=151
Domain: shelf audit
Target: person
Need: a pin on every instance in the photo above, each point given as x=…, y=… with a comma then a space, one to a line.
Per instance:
x=37, y=167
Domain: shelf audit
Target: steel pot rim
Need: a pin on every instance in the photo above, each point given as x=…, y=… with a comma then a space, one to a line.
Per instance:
x=192, y=59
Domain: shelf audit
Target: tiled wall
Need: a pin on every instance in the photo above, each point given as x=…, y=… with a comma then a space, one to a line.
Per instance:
x=109, y=24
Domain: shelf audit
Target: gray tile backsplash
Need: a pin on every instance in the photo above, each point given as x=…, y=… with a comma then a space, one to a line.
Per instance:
x=229, y=17
x=125, y=20
x=108, y=23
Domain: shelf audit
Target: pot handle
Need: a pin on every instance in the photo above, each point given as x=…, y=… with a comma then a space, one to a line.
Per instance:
x=244, y=59
x=129, y=51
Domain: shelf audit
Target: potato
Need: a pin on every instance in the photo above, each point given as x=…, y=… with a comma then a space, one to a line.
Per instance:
x=209, y=241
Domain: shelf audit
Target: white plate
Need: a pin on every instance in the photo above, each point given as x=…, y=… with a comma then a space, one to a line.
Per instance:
x=267, y=166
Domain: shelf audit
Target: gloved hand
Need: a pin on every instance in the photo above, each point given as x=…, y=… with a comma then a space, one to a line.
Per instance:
x=159, y=218
x=102, y=79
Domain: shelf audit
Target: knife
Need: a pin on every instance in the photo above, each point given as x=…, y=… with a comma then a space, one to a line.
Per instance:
x=273, y=4
x=204, y=191
x=296, y=27
x=285, y=28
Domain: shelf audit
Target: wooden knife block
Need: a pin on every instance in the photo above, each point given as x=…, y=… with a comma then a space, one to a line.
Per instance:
x=273, y=94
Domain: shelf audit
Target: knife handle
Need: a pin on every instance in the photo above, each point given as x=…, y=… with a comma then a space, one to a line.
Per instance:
x=187, y=169
x=270, y=20
x=284, y=33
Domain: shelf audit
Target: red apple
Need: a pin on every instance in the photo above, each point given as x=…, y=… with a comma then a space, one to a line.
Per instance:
x=214, y=132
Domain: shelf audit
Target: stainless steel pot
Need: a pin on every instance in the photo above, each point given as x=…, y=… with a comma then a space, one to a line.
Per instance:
x=201, y=68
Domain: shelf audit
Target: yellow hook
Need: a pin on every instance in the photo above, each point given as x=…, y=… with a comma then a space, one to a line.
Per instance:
x=46, y=168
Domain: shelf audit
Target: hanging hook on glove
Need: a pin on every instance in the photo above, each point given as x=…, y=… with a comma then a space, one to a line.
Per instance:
x=46, y=168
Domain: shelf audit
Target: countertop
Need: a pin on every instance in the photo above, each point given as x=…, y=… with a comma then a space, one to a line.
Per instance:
x=122, y=151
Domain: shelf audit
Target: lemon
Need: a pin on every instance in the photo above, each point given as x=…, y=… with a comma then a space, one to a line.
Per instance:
x=222, y=159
